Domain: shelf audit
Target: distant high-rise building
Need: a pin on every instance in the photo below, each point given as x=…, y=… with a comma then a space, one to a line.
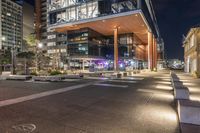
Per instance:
x=41, y=19
x=11, y=28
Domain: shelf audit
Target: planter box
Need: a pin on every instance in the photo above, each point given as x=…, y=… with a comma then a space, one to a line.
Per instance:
x=18, y=77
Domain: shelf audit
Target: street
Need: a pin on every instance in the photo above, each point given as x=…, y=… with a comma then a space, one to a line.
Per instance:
x=140, y=104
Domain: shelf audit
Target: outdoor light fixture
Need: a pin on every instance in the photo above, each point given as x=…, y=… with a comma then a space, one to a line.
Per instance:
x=106, y=63
x=121, y=65
x=40, y=45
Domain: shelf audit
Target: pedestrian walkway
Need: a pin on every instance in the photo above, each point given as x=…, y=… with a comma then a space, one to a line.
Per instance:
x=145, y=105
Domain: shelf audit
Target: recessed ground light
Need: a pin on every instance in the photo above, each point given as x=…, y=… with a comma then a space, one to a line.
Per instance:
x=136, y=15
x=103, y=20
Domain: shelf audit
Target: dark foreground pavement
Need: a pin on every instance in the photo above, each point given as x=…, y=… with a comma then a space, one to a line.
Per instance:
x=143, y=104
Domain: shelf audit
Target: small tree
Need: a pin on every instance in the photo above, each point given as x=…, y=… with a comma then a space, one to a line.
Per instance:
x=31, y=40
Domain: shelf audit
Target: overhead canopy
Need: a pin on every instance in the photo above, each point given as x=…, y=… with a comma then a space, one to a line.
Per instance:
x=129, y=22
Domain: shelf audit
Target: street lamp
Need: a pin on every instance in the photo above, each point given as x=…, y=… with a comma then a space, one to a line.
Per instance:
x=13, y=50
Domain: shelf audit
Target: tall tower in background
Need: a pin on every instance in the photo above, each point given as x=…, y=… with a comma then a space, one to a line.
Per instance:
x=41, y=19
x=28, y=19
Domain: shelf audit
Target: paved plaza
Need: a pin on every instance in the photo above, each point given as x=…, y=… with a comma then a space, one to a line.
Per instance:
x=140, y=104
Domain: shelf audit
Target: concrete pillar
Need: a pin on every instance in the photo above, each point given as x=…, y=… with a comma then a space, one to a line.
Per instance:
x=150, y=51
x=154, y=53
x=116, y=58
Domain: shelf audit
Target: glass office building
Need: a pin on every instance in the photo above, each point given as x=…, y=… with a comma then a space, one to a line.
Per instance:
x=11, y=26
x=84, y=31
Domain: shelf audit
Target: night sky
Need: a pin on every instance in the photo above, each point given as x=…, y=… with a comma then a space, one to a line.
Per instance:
x=174, y=17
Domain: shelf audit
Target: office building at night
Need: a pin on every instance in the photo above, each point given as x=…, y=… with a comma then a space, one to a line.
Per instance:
x=111, y=34
x=11, y=26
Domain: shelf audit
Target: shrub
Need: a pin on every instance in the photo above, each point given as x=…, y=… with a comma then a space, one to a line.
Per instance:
x=34, y=73
x=55, y=73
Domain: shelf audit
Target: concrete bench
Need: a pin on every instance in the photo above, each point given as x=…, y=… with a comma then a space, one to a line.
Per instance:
x=181, y=92
x=18, y=77
x=189, y=112
x=119, y=75
x=130, y=73
x=177, y=84
x=6, y=73
x=189, y=128
x=125, y=74
x=174, y=78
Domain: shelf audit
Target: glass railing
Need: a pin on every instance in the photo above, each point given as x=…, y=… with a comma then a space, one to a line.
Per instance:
x=60, y=13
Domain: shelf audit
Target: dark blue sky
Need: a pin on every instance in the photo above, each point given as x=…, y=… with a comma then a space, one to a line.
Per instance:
x=30, y=1
x=174, y=17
